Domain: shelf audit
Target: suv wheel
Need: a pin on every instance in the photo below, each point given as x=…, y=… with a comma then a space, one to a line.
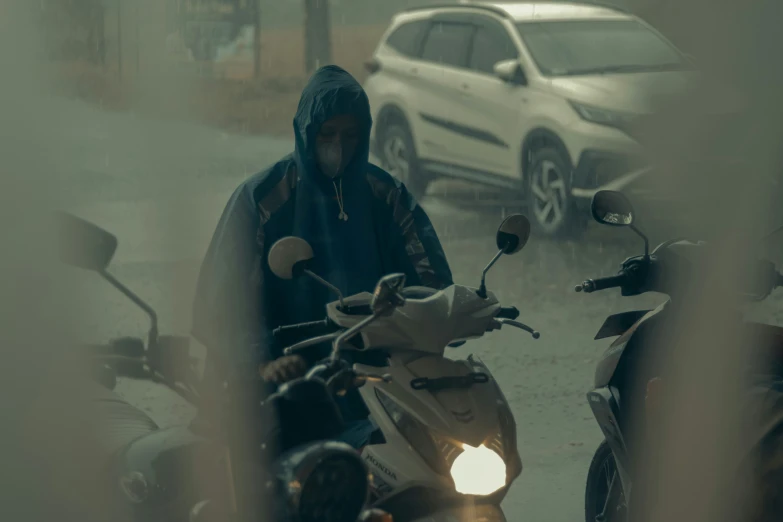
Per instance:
x=549, y=195
x=399, y=159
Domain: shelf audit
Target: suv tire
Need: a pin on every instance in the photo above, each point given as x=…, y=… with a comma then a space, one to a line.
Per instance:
x=398, y=155
x=549, y=201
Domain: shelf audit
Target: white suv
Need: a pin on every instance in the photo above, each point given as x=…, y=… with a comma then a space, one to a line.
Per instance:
x=529, y=97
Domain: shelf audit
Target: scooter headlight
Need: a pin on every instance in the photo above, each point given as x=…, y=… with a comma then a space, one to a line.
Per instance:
x=474, y=471
x=478, y=471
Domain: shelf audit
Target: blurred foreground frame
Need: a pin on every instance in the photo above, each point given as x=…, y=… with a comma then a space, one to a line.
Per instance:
x=718, y=152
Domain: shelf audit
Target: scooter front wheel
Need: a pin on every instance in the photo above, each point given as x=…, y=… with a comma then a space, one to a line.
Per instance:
x=604, y=498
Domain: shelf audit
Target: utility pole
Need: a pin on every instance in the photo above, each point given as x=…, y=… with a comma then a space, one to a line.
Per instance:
x=138, y=38
x=119, y=39
x=256, y=38
x=317, y=34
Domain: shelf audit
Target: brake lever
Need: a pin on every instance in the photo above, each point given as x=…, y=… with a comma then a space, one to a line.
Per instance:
x=374, y=377
x=349, y=378
x=307, y=343
x=522, y=326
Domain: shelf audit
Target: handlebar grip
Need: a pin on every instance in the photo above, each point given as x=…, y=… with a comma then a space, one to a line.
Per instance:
x=323, y=323
x=602, y=283
x=508, y=312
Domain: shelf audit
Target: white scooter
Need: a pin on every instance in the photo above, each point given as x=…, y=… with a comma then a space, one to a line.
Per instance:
x=446, y=432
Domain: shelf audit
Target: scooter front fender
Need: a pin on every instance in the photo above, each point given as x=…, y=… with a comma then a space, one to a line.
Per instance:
x=480, y=512
x=426, y=503
x=606, y=411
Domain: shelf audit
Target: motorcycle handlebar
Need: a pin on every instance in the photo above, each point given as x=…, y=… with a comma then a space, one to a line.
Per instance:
x=602, y=283
x=320, y=325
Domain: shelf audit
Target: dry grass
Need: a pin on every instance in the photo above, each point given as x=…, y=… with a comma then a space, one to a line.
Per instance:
x=231, y=99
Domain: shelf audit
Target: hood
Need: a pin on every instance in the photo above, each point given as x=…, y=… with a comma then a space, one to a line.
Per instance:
x=627, y=92
x=331, y=92
x=346, y=253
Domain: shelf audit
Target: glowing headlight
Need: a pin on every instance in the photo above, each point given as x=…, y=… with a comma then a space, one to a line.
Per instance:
x=478, y=471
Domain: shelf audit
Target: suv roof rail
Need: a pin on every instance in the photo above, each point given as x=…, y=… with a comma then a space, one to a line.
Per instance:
x=502, y=12
x=605, y=5
x=485, y=7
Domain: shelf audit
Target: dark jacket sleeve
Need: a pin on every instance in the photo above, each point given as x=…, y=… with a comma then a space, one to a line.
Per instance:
x=226, y=315
x=414, y=246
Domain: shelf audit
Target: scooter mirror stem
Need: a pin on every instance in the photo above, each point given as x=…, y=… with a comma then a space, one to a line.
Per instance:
x=153, y=332
x=348, y=334
x=644, y=237
x=482, y=291
x=327, y=284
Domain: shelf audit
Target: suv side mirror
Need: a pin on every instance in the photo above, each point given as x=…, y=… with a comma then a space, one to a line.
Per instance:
x=510, y=71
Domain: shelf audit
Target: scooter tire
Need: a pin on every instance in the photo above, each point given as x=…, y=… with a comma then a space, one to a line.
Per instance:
x=596, y=488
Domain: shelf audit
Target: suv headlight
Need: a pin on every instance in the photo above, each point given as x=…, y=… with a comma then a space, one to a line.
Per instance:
x=474, y=471
x=602, y=116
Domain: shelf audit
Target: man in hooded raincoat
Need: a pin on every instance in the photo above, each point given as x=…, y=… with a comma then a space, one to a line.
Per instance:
x=360, y=221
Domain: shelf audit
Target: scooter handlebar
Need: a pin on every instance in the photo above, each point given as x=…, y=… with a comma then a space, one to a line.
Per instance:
x=508, y=312
x=602, y=283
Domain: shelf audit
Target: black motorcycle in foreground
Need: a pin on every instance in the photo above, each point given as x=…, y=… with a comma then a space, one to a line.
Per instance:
x=308, y=478
x=623, y=385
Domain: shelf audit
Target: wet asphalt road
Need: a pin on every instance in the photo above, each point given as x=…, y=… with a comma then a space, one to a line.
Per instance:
x=160, y=188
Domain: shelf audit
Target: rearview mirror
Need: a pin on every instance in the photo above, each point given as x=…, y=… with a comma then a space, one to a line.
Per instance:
x=510, y=71
x=83, y=244
x=388, y=294
x=513, y=234
x=289, y=256
x=612, y=208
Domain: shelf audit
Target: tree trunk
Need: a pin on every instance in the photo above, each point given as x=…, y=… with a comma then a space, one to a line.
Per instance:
x=318, y=42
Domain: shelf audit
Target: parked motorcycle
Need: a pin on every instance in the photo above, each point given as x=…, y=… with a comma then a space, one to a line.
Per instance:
x=446, y=438
x=309, y=478
x=617, y=397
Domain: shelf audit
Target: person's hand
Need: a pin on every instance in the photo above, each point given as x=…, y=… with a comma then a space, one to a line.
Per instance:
x=284, y=369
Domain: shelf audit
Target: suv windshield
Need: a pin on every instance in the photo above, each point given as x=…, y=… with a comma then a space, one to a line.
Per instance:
x=575, y=47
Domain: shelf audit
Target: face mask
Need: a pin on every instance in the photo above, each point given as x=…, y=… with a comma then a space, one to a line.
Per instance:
x=330, y=159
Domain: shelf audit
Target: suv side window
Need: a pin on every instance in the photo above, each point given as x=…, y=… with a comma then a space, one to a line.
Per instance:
x=447, y=43
x=407, y=37
x=490, y=46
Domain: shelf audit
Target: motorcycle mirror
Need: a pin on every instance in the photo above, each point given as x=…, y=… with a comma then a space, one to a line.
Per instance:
x=513, y=234
x=83, y=244
x=388, y=294
x=612, y=208
x=288, y=258
x=88, y=246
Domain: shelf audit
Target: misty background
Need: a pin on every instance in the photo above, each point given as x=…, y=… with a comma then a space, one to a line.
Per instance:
x=104, y=111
